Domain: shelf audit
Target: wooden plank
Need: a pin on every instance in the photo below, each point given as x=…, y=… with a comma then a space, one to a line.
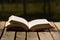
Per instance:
x=8, y=35
x=58, y=25
x=54, y=32
x=2, y=24
x=55, y=35
x=20, y=36
x=45, y=36
x=32, y=36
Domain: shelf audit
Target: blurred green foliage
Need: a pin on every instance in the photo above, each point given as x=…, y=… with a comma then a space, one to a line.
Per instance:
x=34, y=10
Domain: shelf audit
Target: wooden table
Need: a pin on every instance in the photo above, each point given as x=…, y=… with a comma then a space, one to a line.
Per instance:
x=50, y=34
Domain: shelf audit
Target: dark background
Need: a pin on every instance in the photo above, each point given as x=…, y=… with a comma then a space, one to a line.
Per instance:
x=30, y=9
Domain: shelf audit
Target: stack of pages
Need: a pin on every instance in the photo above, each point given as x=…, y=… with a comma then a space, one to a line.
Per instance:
x=19, y=23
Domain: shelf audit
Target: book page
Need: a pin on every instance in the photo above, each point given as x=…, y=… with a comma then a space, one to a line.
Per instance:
x=37, y=21
x=18, y=19
x=28, y=24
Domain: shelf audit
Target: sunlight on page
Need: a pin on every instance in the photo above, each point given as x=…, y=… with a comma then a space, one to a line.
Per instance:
x=37, y=21
x=18, y=19
x=28, y=24
x=7, y=23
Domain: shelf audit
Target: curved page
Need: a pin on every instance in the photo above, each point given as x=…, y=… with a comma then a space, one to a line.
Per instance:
x=18, y=19
x=37, y=21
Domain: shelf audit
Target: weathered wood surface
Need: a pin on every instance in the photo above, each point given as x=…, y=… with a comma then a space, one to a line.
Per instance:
x=8, y=35
x=55, y=32
x=2, y=24
x=20, y=35
x=32, y=36
x=57, y=25
x=50, y=34
x=45, y=36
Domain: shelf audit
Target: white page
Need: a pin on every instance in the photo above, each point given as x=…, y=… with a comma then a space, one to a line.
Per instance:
x=18, y=19
x=29, y=24
x=37, y=21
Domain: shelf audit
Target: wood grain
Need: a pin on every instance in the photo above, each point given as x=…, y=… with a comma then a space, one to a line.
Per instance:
x=45, y=36
x=32, y=36
x=8, y=35
x=2, y=25
x=58, y=25
x=20, y=36
x=55, y=33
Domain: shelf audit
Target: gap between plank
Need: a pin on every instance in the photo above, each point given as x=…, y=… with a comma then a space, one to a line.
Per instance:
x=26, y=36
x=2, y=33
x=51, y=35
x=15, y=35
x=38, y=35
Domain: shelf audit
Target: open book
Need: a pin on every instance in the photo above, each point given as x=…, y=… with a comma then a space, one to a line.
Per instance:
x=19, y=23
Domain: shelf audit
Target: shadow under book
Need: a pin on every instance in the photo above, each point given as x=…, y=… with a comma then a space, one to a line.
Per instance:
x=20, y=24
